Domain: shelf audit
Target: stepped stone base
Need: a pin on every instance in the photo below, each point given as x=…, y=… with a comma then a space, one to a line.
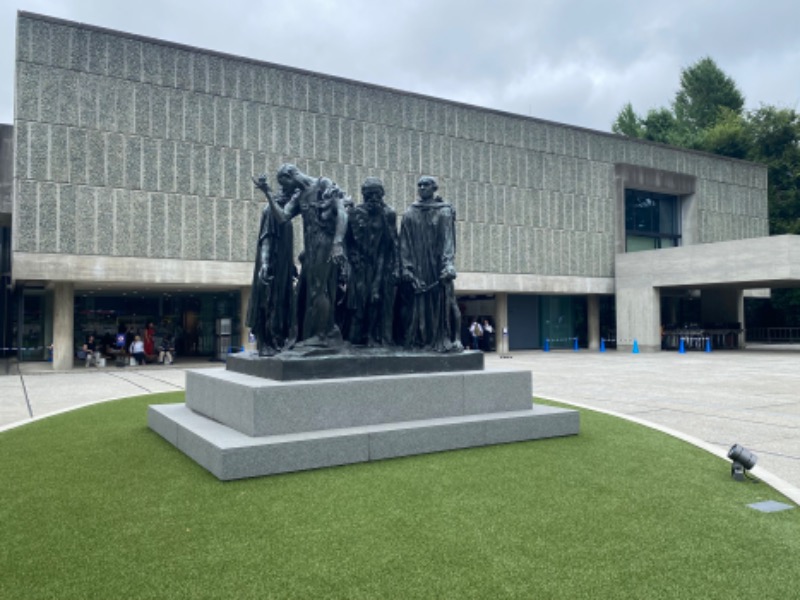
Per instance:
x=229, y=454
x=238, y=426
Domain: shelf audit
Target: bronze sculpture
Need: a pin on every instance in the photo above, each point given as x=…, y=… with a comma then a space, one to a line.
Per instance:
x=270, y=312
x=350, y=267
x=372, y=254
x=322, y=206
x=431, y=317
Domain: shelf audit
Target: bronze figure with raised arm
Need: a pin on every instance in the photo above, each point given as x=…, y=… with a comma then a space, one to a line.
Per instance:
x=322, y=205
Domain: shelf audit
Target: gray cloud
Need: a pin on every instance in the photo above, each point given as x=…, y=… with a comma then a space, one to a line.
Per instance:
x=571, y=61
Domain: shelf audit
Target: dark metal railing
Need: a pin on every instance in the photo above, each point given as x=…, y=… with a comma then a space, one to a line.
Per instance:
x=774, y=335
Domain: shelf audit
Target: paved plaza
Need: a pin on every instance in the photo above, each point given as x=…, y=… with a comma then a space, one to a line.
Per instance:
x=713, y=400
x=716, y=399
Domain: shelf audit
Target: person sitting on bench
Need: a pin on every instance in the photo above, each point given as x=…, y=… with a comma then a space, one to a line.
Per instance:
x=137, y=350
x=90, y=351
x=166, y=351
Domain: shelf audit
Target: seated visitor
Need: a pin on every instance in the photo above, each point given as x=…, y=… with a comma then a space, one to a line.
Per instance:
x=137, y=350
x=117, y=349
x=166, y=351
x=90, y=351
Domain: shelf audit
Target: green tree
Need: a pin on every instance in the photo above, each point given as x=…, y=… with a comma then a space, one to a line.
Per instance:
x=628, y=123
x=704, y=94
x=660, y=126
x=730, y=135
x=775, y=141
x=707, y=97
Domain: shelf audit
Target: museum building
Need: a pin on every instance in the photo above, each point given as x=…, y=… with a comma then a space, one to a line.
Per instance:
x=126, y=198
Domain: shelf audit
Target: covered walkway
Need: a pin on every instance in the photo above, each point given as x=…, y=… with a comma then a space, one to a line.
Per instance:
x=721, y=270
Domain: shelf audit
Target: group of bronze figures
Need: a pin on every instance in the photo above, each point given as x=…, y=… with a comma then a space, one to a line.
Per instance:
x=358, y=280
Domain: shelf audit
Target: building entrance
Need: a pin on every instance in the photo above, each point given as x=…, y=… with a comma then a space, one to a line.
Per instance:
x=188, y=318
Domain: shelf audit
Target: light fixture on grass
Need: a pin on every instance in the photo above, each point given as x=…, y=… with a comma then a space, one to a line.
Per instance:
x=743, y=460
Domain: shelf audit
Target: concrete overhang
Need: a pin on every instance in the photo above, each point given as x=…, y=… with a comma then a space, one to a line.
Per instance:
x=109, y=272
x=766, y=262
x=517, y=283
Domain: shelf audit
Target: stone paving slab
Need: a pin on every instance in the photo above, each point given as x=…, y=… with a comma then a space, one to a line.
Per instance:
x=52, y=392
x=12, y=400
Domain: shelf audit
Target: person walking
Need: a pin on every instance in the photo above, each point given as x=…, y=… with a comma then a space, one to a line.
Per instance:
x=476, y=331
x=488, y=336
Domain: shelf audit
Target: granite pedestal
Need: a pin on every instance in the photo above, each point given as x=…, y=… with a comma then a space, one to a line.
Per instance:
x=238, y=425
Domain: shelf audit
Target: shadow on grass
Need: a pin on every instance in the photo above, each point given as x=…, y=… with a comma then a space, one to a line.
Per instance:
x=94, y=504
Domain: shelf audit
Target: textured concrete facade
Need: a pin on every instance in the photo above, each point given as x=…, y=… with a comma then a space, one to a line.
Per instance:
x=134, y=147
x=133, y=160
x=6, y=172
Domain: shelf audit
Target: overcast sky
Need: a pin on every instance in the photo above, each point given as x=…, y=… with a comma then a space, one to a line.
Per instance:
x=570, y=61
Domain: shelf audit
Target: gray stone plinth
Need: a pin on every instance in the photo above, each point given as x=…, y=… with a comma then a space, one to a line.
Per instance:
x=356, y=362
x=237, y=425
x=229, y=454
x=257, y=407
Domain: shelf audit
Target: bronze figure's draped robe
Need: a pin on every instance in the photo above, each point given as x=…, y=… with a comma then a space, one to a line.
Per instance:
x=321, y=206
x=372, y=253
x=430, y=315
x=270, y=312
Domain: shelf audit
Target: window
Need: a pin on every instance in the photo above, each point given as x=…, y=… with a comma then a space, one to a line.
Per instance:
x=651, y=221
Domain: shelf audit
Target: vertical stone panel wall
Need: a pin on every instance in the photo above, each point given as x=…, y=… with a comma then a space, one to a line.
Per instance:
x=6, y=172
x=128, y=146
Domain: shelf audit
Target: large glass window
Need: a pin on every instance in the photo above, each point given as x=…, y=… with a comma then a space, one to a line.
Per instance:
x=651, y=221
x=563, y=318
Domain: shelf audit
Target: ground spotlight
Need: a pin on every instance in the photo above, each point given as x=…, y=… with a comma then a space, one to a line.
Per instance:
x=743, y=460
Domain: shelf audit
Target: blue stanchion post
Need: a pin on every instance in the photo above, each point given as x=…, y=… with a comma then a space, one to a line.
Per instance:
x=602, y=345
x=547, y=345
x=635, y=347
x=681, y=347
x=708, y=344
x=575, y=345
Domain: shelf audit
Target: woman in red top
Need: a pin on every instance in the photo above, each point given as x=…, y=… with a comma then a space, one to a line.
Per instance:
x=150, y=340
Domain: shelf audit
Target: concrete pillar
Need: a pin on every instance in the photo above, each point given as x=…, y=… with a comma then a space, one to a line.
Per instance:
x=743, y=336
x=501, y=321
x=47, y=334
x=244, y=333
x=593, y=320
x=638, y=318
x=63, y=325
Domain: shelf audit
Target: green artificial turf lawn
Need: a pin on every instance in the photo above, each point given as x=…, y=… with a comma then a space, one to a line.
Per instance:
x=95, y=505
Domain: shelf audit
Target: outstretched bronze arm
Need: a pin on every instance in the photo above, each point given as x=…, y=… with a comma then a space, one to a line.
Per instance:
x=277, y=211
x=261, y=183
